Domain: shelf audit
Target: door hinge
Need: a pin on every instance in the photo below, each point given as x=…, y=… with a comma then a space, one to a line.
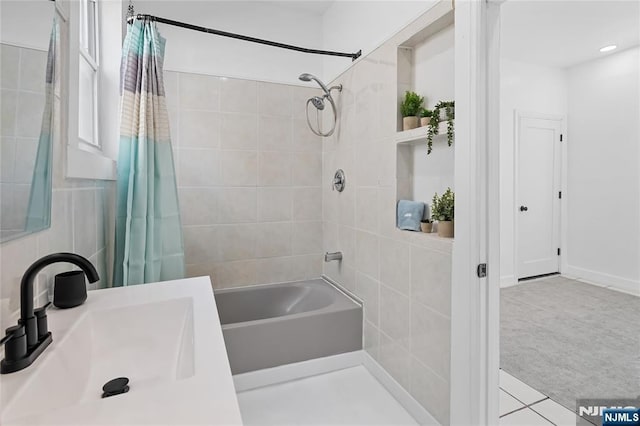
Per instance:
x=560, y=194
x=560, y=137
x=482, y=270
x=558, y=251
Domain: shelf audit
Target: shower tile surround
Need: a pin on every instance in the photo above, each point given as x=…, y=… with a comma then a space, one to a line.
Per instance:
x=403, y=277
x=249, y=179
x=81, y=215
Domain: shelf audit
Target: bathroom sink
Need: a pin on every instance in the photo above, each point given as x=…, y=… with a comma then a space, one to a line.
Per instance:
x=164, y=337
x=151, y=344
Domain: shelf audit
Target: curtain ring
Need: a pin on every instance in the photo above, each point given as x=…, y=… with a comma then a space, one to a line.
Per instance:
x=130, y=10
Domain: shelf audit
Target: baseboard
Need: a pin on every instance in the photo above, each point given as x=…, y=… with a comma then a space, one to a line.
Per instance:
x=298, y=370
x=508, y=281
x=612, y=282
x=405, y=399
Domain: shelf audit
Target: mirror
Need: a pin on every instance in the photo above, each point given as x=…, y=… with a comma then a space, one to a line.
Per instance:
x=28, y=52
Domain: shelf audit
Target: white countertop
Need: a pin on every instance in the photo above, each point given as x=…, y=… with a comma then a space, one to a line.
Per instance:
x=205, y=394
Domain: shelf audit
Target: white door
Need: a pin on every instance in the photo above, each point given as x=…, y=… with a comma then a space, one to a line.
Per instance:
x=538, y=195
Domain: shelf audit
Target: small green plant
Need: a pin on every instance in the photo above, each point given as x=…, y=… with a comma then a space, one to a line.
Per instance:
x=411, y=105
x=442, y=208
x=434, y=122
x=426, y=112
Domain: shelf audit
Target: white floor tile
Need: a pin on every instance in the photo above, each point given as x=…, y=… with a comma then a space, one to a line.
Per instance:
x=508, y=403
x=518, y=389
x=555, y=412
x=347, y=397
x=525, y=417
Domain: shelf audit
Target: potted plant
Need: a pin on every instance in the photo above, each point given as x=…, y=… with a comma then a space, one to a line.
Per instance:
x=442, y=210
x=425, y=117
x=409, y=108
x=426, y=226
x=443, y=111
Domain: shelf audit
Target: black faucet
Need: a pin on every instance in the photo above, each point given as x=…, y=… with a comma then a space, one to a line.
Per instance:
x=27, y=340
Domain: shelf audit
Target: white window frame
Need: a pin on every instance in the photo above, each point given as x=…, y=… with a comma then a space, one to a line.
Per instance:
x=86, y=160
x=93, y=62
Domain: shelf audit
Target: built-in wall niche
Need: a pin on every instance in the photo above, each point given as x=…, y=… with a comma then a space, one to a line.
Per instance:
x=426, y=66
x=419, y=175
x=426, y=60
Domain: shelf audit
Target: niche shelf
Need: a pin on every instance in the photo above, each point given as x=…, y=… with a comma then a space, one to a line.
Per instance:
x=426, y=58
x=431, y=240
x=419, y=135
x=426, y=65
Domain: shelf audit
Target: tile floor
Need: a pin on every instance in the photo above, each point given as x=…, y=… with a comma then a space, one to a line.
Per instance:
x=354, y=397
x=346, y=397
x=520, y=404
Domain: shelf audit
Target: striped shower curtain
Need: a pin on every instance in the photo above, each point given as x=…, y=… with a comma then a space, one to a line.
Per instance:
x=39, y=209
x=148, y=240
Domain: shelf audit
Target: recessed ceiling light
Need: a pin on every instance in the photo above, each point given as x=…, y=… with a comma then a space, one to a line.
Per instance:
x=608, y=48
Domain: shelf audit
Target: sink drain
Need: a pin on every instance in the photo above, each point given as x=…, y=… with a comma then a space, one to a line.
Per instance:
x=115, y=387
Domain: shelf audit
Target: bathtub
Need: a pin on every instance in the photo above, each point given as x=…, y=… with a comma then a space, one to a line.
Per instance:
x=269, y=325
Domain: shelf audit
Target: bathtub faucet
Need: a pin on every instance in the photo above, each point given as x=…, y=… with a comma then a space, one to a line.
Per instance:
x=328, y=257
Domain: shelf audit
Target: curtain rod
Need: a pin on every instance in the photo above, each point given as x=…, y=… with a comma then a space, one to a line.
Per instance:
x=353, y=56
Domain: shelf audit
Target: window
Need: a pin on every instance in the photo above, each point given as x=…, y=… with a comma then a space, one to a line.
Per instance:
x=92, y=83
x=88, y=73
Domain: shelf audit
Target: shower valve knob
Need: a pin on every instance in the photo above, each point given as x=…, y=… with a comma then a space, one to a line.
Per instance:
x=338, y=181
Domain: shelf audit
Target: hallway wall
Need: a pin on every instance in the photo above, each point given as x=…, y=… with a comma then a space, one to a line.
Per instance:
x=603, y=185
x=600, y=101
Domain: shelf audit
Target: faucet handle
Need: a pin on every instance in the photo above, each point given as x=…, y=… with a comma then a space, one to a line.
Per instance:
x=15, y=343
x=11, y=332
x=41, y=320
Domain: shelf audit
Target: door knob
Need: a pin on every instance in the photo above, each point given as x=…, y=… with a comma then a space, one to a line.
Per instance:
x=524, y=208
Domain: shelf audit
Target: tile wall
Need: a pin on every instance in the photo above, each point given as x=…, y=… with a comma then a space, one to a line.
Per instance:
x=249, y=179
x=80, y=222
x=22, y=102
x=404, y=278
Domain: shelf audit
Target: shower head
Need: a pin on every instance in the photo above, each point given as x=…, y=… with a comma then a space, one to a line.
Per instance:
x=318, y=102
x=309, y=77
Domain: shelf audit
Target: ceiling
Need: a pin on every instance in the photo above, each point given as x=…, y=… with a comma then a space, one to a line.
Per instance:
x=313, y=7
x=566, y=33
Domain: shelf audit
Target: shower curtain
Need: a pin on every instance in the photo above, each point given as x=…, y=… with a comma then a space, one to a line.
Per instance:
x=148, y=240
x=39, y=209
